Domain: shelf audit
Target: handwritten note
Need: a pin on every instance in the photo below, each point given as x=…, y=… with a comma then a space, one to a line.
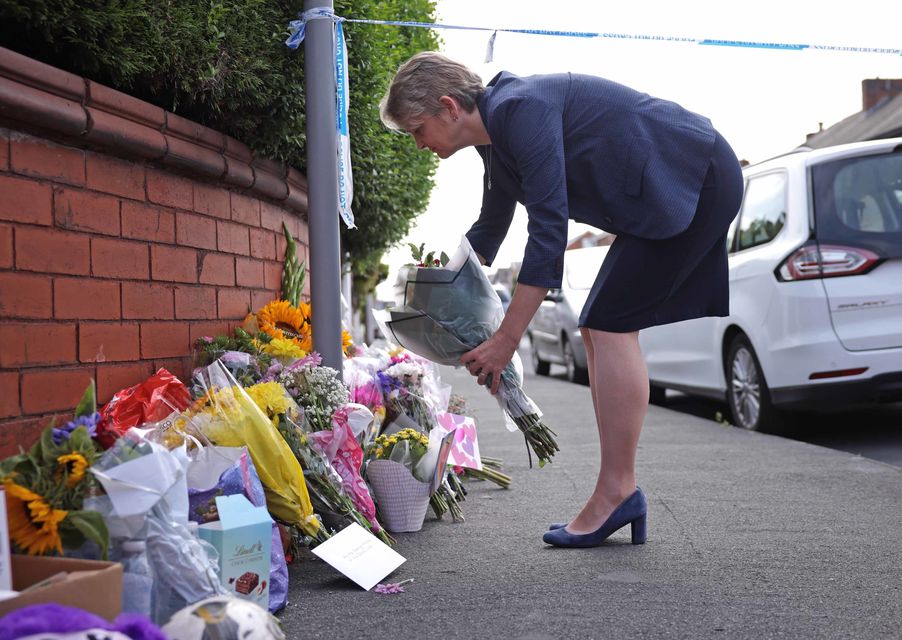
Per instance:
x=359, y=555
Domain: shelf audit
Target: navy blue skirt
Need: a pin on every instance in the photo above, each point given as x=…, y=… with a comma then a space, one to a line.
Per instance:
x=644, y=283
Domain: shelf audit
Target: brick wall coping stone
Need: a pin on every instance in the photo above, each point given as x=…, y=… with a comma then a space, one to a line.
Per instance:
x=82, y=112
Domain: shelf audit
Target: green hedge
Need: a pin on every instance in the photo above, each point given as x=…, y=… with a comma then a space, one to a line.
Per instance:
x=223, y=63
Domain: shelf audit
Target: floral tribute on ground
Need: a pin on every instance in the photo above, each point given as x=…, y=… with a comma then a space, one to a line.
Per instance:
x=451, y=308
x=261, y=417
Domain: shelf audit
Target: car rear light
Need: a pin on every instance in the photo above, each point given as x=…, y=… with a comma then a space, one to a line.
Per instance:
x=825, y=261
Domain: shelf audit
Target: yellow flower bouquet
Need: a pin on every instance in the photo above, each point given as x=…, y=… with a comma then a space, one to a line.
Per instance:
x=324, y=483
x=402, y=470
x=45, y=488
x=227, y=416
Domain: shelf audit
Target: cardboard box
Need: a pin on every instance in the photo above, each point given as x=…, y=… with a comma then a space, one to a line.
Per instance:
x=243, y=538
x=91, y=585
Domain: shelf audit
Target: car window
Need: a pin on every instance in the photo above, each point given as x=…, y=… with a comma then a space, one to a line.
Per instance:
x=731, y=234
x=866, y=194
x=858, y=201
x=763, y=211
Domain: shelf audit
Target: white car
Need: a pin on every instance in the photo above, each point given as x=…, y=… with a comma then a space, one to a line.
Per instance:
x=815, y=292
x=553, y=332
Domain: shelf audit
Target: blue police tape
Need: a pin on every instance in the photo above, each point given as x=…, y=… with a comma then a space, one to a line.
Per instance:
x=754, y=45
x=297, y=28
x=345, y=180
x=343, y=139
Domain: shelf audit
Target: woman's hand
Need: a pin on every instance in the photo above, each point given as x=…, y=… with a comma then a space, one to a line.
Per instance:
x=490, y=358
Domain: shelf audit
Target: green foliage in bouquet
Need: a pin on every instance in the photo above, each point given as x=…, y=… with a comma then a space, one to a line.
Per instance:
x=294, y=272
x=208, y=349
x=46, y=487
x=427, y=260
x=212, y=348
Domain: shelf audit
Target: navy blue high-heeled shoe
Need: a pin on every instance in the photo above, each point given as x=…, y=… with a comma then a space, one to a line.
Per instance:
x=633, y=511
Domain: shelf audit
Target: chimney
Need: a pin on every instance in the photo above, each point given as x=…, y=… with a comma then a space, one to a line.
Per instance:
x=876, y=90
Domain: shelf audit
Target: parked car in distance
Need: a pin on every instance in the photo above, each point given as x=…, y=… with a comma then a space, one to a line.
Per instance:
x=553, y=333
x=815, y=264
x=504, y=294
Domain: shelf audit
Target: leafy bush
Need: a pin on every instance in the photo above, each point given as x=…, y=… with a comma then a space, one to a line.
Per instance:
x=223, y=63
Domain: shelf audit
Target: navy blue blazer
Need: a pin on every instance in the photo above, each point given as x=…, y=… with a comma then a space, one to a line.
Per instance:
x=579, y=147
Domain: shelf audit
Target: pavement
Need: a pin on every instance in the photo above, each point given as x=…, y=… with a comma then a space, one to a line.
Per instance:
x=749, y=536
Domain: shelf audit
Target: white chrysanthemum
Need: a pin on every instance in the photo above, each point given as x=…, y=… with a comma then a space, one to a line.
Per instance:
x=406, y=368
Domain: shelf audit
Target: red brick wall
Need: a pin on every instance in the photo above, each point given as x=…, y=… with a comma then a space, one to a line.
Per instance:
x=110, y=268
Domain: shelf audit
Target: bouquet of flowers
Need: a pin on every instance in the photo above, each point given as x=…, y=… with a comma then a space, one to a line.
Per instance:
x=364, y=389
x=420, y=455
x=450, y=310
x=289, y=324
x=145, y=500
x=326, y=485
x=46, y=487
x=402, y=387
x=227, y=416
x=317, y=390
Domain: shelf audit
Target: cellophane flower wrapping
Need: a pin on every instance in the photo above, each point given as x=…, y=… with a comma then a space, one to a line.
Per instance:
x=451, y=310
x=340, y=447
x=147, y=499
x=145, y=402
x=359, y=375
x=226, y=471
x=404, y=387
x=332, y=486
x=227, y=416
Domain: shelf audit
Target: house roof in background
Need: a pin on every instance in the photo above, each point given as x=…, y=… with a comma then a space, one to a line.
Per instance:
x=883, y=120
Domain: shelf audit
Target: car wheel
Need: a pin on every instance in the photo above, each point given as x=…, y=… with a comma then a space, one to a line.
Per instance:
x=657, y=395
x=575, y=373
x=747, y=392
x=541, y=367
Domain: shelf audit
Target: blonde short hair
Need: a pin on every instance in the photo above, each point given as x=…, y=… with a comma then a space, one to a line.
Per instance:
x=415, y=90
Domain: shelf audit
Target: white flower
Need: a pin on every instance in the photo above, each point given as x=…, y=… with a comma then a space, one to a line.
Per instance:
x=405, y=368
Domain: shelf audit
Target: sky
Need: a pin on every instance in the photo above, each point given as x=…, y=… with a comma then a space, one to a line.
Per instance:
x=763, y=102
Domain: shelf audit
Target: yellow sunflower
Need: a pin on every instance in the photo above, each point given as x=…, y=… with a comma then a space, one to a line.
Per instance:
x=346, y=344
x=74, y=464
x=279, y=319
x=33, y=524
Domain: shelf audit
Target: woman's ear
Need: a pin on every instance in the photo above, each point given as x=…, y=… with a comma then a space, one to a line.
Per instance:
x=451, y=105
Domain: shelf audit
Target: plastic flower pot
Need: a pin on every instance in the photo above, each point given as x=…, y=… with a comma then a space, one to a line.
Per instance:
x=401, y=499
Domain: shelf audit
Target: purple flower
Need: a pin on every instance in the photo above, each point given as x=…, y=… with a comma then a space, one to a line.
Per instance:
x=312, y=359
x=392, y=587
x=64, y=432
x=236, y=359
x=273, y=372
x=387, y=383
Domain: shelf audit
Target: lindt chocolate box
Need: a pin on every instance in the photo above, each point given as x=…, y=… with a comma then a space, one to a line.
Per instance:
x=243, y=538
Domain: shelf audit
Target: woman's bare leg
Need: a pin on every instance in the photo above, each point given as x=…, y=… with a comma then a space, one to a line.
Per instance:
x=619, y=383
